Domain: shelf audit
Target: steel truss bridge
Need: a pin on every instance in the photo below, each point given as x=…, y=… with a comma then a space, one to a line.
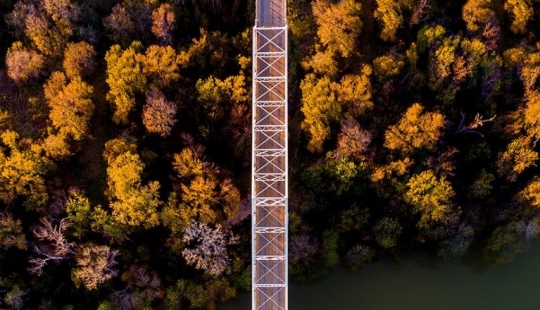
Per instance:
x=269, y=207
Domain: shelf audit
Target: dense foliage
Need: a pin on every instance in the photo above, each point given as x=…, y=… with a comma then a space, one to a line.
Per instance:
x=125, y=142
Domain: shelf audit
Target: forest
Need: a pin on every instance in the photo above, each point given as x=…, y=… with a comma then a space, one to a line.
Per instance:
x=125, y=143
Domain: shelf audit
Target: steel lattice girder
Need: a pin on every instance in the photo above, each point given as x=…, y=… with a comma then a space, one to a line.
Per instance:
x=269, y=174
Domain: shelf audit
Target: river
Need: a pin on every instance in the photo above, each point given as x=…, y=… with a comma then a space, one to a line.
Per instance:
x=412, y=285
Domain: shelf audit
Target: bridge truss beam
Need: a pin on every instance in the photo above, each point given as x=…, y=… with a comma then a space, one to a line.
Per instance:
x=269, y=169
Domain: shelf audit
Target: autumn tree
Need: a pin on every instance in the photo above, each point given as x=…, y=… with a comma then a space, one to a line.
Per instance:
x=79, y=59
x=521, y=11
x=125, y=78
x=216, y=97
x=160, y=65
x=11, y=233
x=338, y=25
x=49, y=36
x=387, y=66
x=70, y=104
x=132, y=203
x=354, y=91
x=389, y=13
x=95, y=265
x=518, y=156
x=158, y=113
x=23, y=167
x=531, y=193
x=415, y=130
x=23, y=65
x=163, y=23
x=320, y=108
x=476, y=13
x=430, y=196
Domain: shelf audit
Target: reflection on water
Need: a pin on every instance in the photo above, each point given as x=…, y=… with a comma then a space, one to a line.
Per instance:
x=413, y=286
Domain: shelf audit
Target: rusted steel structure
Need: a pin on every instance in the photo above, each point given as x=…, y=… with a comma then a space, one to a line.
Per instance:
x=269, y=208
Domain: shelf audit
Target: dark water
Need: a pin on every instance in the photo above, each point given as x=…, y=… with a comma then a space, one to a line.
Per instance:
x=414, y=286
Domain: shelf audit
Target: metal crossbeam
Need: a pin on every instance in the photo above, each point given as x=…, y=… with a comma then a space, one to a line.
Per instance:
x=269, y=158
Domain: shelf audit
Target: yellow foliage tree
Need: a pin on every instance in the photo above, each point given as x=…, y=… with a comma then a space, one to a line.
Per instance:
x=320, y=108
x=70, y=105
x=354, y=91
x=531, y=193
x=339, y=24
x=415, y=130
x=389, y=14
x=79, y=59
x=387, y=66
x=132, y=203
x=521, y=12
x=531, y=120
x=125, y=78
x=476, y=13
x=517, y=157
x=430, y=196
x=160, y=65
x=23, y=167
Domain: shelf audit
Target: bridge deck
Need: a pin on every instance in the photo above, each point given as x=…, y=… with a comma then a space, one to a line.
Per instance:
x=269, y=178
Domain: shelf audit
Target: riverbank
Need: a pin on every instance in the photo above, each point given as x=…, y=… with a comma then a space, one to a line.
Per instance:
x=414, y=286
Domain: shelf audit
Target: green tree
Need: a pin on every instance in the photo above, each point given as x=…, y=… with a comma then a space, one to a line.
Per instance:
x=387, y=232
x=505, y=243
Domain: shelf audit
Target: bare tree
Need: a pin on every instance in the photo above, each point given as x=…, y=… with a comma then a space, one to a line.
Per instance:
x=125, y=299
x=420, y=12
x=158, y=113
x=95, y=265
x=353, y=140
x=476, y=123
x=163, y=23
x=54, y=246
x=23, y=64
x=119, y=25
x=14, y=298
x=492, y=33
x=208, y=247
x=15, y=20
x=55, y=234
